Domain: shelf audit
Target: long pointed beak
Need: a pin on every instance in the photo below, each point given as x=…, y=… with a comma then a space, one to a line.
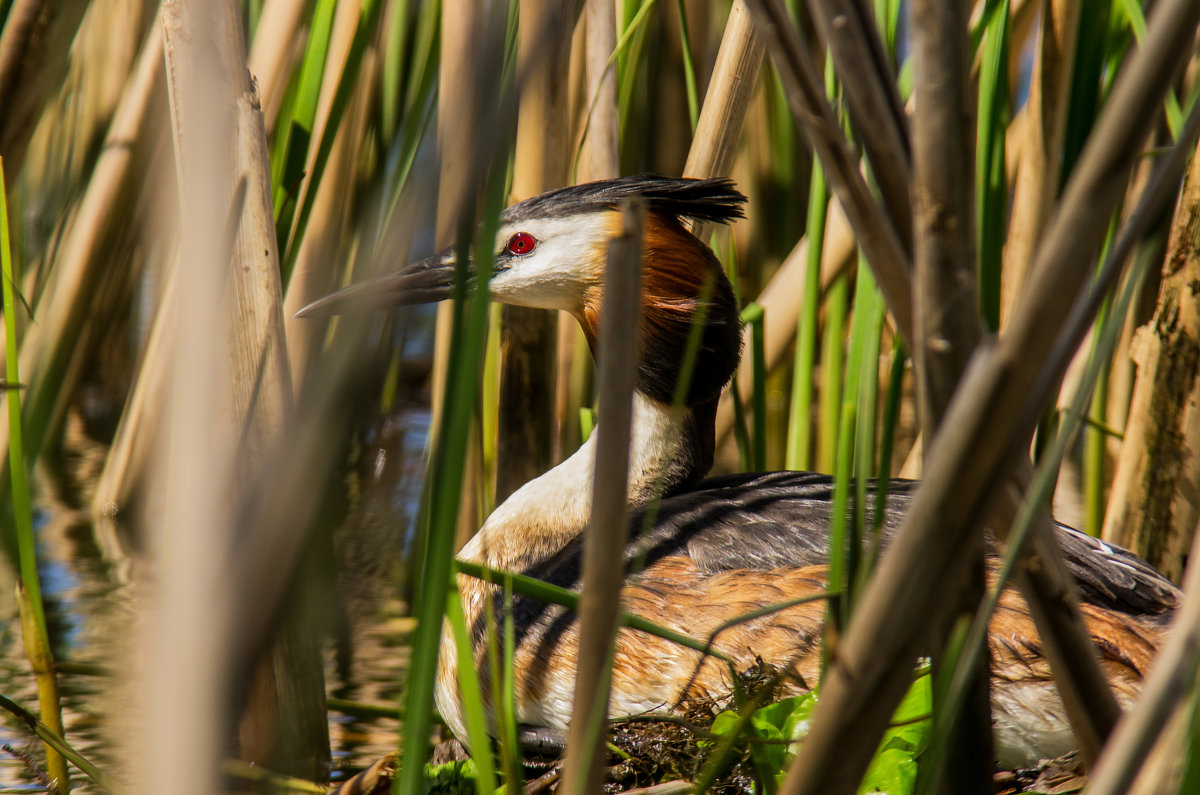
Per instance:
x=424, y=282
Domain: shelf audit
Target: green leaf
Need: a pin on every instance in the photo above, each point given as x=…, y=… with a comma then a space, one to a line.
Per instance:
x=452, y=778
x=894, y=768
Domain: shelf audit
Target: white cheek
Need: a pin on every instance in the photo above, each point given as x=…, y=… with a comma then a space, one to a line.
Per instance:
x=539, y=289
x=553, y=277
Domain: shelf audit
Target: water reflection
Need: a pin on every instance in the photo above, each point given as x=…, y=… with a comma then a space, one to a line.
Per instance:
x=91, y=608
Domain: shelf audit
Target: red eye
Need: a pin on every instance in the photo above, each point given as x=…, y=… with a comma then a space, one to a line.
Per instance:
x=521, y=243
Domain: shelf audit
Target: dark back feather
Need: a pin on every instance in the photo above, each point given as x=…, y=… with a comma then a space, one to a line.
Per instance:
x=712, y=200
x=775, y=520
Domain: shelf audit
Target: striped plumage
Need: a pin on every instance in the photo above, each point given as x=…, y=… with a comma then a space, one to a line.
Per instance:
x=722, y=547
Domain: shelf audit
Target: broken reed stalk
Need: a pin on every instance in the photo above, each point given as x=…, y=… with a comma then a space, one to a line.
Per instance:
x=608, y=530
x=979, y=438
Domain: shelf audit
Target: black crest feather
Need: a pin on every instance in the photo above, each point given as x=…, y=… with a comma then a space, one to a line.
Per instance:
x=712, y=200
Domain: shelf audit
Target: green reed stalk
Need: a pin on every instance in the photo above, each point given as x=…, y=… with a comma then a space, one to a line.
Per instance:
x=1092, y=63
x=689, y=68
x=419, y=83
x=363, y=36
x=869, y=304
x=991, y=188
x=754, y=317
x=1095, y=436
x=468, y=329
x=887, y=444
x=1189, y=781
x=800, y=424
x=29, y=592
x=54, y=740
x=395, y=61
x=296, y=120
x=856, y=444
x=829, y=407
x=741, y=431
x=474, y=709
x=1095, y=449
x=631, y=49
x=504, y=688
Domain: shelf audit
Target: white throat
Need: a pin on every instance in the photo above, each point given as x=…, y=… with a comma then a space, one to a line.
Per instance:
x=545, y=514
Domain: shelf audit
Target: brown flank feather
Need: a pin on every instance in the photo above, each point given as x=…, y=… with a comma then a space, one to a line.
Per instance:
x=674, y=593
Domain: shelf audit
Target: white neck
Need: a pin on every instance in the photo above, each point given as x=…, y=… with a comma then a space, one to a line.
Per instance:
x=545, y=514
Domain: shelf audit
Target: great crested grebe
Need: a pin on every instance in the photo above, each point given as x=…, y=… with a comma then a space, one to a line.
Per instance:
x=717, y=548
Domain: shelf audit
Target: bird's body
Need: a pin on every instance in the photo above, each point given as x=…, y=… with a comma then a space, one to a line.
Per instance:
x=722, y=548
x=731, y=545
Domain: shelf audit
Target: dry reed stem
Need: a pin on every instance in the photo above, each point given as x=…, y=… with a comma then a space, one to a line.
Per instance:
x=1015, y=139
x=805, y=89
x=945, y=307
x=273, y=53
x=601, y=152
x=1037, y=177
x=34, y=52
x=1167, y=689
x=130, y=455
x=980, y=435
x=67, y=299
x=608, y=530
x=599, y=159
x=851, y=32
x=231, y=403
x=730, y=89
x=525, y=444
x=284, y=723
x=185, y=660
x=1155, y=505
x=458, y=120
x=943, y=208
x=318, y=258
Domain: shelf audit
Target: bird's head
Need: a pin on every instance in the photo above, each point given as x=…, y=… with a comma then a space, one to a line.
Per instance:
x=550, y=253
